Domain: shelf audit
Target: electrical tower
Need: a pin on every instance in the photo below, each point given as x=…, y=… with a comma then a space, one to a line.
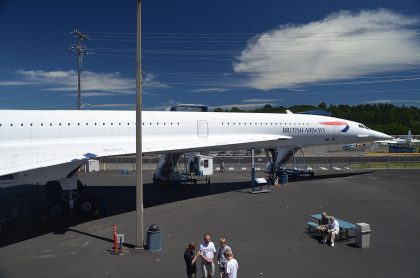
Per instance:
x=80, y=50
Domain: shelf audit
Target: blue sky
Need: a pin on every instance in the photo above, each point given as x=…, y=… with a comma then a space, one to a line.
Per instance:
x=221, y=53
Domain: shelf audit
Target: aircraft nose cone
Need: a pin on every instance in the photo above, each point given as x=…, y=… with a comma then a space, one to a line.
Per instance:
x=381, y=136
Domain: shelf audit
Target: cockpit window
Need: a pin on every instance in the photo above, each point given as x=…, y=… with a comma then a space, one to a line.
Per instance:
x=363, y=126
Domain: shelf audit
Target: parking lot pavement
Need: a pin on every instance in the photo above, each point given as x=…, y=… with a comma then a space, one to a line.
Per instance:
x=267, y=232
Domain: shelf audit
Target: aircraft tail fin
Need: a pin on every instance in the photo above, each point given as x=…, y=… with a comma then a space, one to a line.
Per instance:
x=409, y=137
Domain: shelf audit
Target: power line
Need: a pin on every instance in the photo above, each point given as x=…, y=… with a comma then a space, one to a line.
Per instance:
x=232, y=52
x=239, y=34
x=80, y=50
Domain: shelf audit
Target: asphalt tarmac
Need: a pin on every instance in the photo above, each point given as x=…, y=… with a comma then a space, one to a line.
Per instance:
x=267, y=232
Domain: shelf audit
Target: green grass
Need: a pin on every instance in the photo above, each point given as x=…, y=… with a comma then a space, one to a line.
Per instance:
x=384, y=165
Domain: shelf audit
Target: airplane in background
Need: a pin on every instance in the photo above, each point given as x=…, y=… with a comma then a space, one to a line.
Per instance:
x=400, y=141
x=47, y=147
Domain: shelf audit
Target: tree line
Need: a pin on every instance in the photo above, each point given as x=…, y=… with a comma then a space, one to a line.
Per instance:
x=387, y=118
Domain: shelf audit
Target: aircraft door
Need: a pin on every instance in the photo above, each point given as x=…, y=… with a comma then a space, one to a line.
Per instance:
x=202, y=128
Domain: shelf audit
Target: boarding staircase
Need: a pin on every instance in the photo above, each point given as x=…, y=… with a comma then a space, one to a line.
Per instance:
x=279, y=157
x=166, y=167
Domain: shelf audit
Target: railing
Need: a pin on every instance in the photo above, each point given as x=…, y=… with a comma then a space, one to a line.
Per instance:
x=244, y=162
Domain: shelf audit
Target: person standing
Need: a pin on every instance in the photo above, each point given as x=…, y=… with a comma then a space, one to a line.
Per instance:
x=207, y=252
x=231, y=266
x=190, y=259
x=222, y=166
x=222, y=260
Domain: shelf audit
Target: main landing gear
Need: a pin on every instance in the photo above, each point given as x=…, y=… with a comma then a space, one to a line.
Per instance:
x=61, y=202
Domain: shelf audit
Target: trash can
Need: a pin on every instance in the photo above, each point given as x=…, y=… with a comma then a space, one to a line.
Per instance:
x=154, y=238
x=362, y=235
x=284, y=178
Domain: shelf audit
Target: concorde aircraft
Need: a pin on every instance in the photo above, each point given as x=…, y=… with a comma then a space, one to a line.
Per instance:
x=48, y=147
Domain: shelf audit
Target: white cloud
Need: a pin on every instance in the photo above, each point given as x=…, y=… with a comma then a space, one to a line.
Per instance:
x=150, y=82
x=341, y=46
x=65, y=81
x=14, y=83
x=93, y=94
x=116, y=105
x=220, y=90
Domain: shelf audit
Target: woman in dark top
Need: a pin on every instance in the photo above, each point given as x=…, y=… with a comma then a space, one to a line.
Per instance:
x=190, y=259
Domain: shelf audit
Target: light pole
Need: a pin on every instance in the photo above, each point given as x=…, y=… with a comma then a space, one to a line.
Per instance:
x=139, y=151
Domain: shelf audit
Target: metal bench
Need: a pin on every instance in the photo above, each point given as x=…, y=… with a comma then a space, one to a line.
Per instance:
x=344, y=226
x=312, y=225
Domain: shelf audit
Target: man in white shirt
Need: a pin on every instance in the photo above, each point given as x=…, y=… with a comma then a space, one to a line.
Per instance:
x=221, y=257
x=207, y=251
x=333, y=230
x=231, y=266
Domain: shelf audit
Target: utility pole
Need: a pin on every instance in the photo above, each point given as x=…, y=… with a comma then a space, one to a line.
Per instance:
x=80, y=51
x=139, y=150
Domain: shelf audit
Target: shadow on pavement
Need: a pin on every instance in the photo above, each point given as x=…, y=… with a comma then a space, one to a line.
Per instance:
x=113, y=200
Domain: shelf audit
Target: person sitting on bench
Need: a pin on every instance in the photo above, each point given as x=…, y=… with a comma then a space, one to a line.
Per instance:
x=323, y=224
x=332, y=231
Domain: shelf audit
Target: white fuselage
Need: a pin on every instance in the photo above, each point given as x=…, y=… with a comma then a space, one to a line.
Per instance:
x=41, y=146
x=32, y=126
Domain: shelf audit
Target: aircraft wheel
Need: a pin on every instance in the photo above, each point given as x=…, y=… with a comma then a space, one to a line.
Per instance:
x=56, y=209
x=86, y=207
